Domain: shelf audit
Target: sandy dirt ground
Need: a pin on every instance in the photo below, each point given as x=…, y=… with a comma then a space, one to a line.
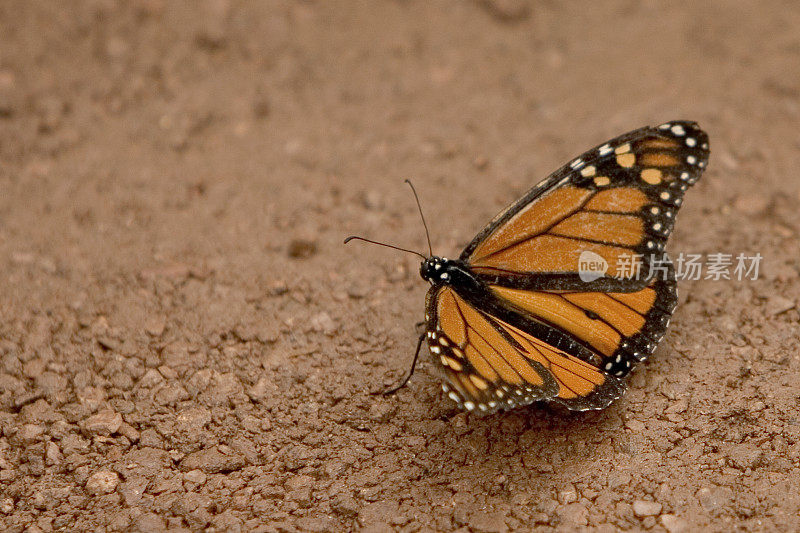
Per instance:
x=185, y=344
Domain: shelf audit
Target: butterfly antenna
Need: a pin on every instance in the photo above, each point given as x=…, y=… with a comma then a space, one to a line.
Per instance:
x=357, y=238
x=419, y=206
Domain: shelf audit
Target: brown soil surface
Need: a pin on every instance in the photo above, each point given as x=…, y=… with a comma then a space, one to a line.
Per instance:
x=185, y=342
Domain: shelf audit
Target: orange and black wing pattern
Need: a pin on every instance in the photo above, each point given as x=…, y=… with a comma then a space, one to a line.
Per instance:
x=620, y=329
x=491, y=363
x=617, y=201
x=522, y=324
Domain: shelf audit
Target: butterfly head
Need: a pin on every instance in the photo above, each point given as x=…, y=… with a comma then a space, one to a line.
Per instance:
x=438, y=270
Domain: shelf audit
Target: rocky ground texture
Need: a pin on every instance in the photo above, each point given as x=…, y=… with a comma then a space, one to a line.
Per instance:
x=186, y=344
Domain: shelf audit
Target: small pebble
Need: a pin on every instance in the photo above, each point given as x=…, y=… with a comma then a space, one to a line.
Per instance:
x=155, y=325
x=673, y=523
x=6, y=505
x=323, y=323
x=301, y=249
x=102, y=482
x=106, y=422
x=129, y=431
x=644, y=508
x=29, y=433
x=372, y=200
x=133, y=489
x=198, y=477
x=52, y=454
x=508, y=11
x=751, y=204
x=778, y=304
x=345, y=505
x=568, y=495
x=480, y=163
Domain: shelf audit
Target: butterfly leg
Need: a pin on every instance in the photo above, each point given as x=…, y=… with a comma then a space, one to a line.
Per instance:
x=411, y=372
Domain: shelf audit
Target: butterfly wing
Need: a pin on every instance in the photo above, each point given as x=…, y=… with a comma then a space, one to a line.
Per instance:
x=620, y=329
x=617, y=201
x=541, y=330
x=491, y=362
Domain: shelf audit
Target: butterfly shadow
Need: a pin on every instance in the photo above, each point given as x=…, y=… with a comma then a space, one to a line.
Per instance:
x=524, y=447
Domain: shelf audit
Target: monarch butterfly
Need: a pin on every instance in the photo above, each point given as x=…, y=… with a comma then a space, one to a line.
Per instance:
x=513, y=321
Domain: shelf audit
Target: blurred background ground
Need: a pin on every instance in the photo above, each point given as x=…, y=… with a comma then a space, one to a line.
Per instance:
x=185, y=343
